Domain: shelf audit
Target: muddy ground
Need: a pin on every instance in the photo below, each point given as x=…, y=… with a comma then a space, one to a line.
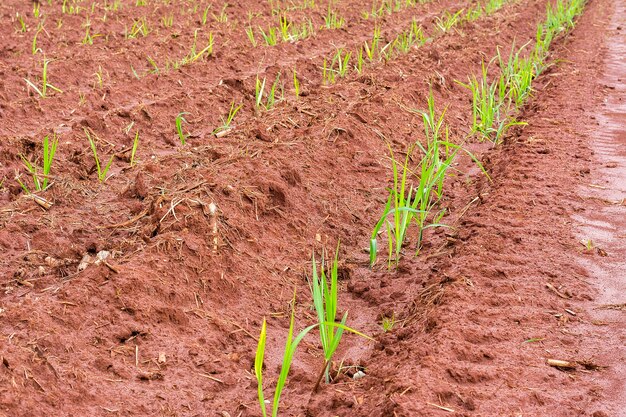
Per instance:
x=169, y=324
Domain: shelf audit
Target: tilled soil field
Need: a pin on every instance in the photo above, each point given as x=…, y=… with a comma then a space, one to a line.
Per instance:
x=137, y=271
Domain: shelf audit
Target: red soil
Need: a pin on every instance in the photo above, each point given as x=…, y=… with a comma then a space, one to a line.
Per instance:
x=169, y=325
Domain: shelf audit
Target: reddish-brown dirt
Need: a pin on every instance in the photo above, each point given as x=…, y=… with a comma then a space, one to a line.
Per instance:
x=169, y=324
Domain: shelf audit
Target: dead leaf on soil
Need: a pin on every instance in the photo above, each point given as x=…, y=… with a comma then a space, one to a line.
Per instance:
x=150, y=376
x=41, y=201
x=448, y=409
x=620, y=307
x=557, y=292
x=562, y=365
x=212, y=378
x=591, y=366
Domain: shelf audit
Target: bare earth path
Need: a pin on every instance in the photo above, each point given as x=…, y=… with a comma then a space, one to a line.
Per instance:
x=605, y=224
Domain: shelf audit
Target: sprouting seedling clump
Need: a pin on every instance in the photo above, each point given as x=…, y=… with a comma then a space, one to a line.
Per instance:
x=40, y=175
x=324, y=296
x=228, y=120
x=45, y=85
x=416, y=192
x=101, y=169
x=324, y=292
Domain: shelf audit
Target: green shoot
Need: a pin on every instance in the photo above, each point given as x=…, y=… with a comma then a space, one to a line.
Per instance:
x=404, y=42
x=406, y=203
x=207, y=51
x=168, y=20
x=417, y=33
x=386, y=51
x=205, y=15
x=448, y=20
x=179, y=127
x=290, y=349
x=24, y=187
x=283, y=26
x=250, y=33
x=99, y=77
x=194, y=55
x=139, y=27
x=270, y=37
x=328, y=75
x=70, y=9
x=559, y=18
x=128, y=127
x=493, y=5
x=100, y=169
x=291, y=345
x=49, y=149
x=342, y=63
x=406, y=39
x=229, y=118
x=402, y=206
x=274, y=6
x=359, y=61
x=338, y=66
x=34, y=48
x=155, y=67
x=296, y=84
x=89, y=37
x=258, y=366
x=474, y=13
x=371, y=49
x=388, y=323
x=519, y=74
x=135, y=74
x=332, y=20
x=134, y=149
x=588, y=244
x=43, y=92
x=271, y=95
x=222, y=17
x=325, y=301
x=22, y=23
x=306, y=29
x=112, y=5
x=490, y=106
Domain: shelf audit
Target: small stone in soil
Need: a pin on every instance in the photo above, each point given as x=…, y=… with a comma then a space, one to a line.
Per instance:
x=358, y=375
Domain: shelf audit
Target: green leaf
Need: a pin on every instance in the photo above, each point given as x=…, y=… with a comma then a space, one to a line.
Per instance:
x=258, y=367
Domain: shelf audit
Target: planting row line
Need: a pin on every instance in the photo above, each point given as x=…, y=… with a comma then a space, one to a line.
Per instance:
x=407, y=202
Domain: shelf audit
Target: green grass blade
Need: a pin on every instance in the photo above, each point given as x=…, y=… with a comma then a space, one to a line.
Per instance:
x=258, y=366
